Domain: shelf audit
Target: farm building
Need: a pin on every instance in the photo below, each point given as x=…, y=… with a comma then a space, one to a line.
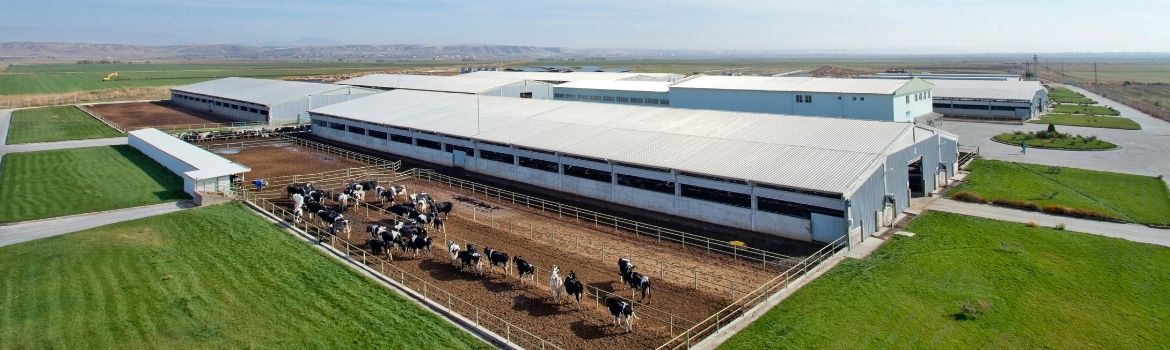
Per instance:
x=872, y=99
x=202, y=171
x=1004, y=99
x=945, y=76
x=265, y=100
x=564, y=77
x=805, y=178
x=654, y=93
x=505, y=87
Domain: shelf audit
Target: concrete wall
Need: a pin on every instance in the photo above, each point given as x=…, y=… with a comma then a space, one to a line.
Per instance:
x=539, y=90
x=854, y=106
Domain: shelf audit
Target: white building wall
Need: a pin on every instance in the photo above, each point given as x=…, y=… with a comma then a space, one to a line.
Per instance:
x=613, y=96
x=539, y=90
x=855, y=106
x=910, y=106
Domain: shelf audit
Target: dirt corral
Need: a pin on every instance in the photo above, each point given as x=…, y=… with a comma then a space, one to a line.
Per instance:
x=284, y=159
x=137, y=115
x=687, y=283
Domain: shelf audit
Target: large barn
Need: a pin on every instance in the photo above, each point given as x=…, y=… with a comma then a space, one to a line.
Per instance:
x=263, y=100
x=458, y=84
x=805, y=178
x=988, y=99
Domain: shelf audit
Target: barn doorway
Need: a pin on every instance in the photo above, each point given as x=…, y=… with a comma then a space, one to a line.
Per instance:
x=525, y=95
x=458, y=159
x=917, y=182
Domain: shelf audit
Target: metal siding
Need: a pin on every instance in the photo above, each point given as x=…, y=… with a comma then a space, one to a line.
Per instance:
x=868, y=199
x=827, y=228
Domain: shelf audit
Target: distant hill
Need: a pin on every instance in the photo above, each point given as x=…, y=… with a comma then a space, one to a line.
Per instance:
x=365, y=52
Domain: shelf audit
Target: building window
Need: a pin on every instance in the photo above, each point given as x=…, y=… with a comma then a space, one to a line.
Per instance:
x=734, y=199
x=799, y=98
x=253, y=110
x=357, y=130
x=587, y=173
x=337, y=126
x=264, y=112
x=642, y=167
x=607, y=98
x=639, y=182
x=569, y=96
x=715, y=178
x=583, y=97
x=664, y=102
x=793, y=209
x=377, y=134
x=466, y=150
x=525, y=95
x=558, y=95
x=635, y=100
x=429, y=144
x=623, y=99
x=907, y=98
x=863, y=98
x=321, y=123
x=652, y=101
x=595, y=98
x=798, y=190
x=538, y=164
x=496, y=156
x=402, y=139
x=807, y=98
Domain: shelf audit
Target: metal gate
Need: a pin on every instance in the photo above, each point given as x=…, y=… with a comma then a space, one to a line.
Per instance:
x=827, y=228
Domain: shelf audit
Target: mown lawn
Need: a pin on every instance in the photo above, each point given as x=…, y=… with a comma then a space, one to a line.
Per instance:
x=1083, y=109
x=1134, y=198
x=1046, y=289
x=1064, y=95
x=1066, y=142
x=1088, y=121
x=57, y=123
x=46, y=184
x=215, y=277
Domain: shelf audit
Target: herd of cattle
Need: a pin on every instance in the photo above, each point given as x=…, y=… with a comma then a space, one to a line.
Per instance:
x=196, y=136
x=419, y=211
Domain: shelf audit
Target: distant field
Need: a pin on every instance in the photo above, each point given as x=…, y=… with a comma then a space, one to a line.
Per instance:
x=782, y=65
x=1117, y=72
x=1127, y=197
x=59, y=123
x=1042, y=288
x=61, y=78
x=1088, y=121
x=209, y=278
x=1064, y=95
x=38, y=185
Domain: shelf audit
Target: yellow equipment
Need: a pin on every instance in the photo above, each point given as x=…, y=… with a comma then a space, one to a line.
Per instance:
x=110, y=76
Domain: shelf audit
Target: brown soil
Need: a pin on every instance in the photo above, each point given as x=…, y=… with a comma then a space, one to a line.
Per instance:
x=284, y=160
x=137, y=115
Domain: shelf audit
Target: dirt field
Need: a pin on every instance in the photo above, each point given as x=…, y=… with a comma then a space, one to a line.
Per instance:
x=137, y=115
x=284, y=160
x=544, y=241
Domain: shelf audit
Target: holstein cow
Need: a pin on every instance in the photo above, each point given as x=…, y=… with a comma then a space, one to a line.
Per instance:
x=298, y=200
x=523, y=268
x=392, y=238
x=377, y=246
x=342, y=201
x=621, y=310
x=637, y=282
x=554, y=282
x=401, y=209
x=420, y=242
x=495, y=258
x=573, y=287
x=443, y=208
x=453, y=249
x=470, y=258
x=437, y=223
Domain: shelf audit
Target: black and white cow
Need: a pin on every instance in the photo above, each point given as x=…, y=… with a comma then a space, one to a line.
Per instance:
x=419, y=242
x=437, y=223
x=401, y=209
x=314, y=206
x=376, y=230
x=624, y=265
x=368, y=185
x=317, y=196
x=410, y=229
x=328, y=216
x=453, y=249
x=388, y=194
x=621, y=310
x=497, y=258
x=339, y=226
x=377, y=246
x=443, y=208
x=470, y=258
x=524, y=268
x=638, y=283
x=573, y=287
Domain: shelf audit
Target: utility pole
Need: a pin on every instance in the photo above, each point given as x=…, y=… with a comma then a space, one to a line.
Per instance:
x=1095, y=81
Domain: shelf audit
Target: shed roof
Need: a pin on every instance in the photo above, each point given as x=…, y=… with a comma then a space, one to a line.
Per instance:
x=264, y=91
x=813, y=153
x=801, y=84
x=456, y=84
x=619, y=85
x=987, y=89
x=207, y=165
x=573, y=76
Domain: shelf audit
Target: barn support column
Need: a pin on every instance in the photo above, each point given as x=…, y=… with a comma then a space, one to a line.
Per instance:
x=755, y=203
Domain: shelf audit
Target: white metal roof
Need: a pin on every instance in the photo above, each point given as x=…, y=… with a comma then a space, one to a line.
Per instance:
x=207, y=165
x=573, y=76
x=619, y=85
x=455, y=84
x=987, y=89
x=265, y=91
x=823, y=154
x=793, y=84
x=386, y=81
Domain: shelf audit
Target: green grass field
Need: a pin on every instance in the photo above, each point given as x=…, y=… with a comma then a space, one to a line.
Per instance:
x=61, y=78
x=209, y=278
x=1135, y=198
x=1088, y=121
x=1046, y=289
x=1070, y=143
x=1082, y=109
x=1064, y=95
x=46, y=184
x=57, y=123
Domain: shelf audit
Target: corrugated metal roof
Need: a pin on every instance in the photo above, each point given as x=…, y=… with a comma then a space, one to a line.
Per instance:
x=264, y=91
x=619, y=85
x=987, y=89
x=455, y=84
x=571, y=76
x=824, y=154
x=793, y=84
x=207, y=165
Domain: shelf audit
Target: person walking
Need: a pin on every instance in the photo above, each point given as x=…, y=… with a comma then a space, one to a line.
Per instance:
x=1023, y=147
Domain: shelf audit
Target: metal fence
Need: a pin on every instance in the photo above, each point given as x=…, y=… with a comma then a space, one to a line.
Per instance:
x=713, y=324
x=436, y=295
x=316, y=146
x=99, y=117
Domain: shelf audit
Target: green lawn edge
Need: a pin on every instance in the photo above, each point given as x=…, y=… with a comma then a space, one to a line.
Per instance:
x=55, y=123
x=1105, y=122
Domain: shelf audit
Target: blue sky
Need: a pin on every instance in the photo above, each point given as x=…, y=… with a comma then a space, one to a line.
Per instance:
x=893, y=26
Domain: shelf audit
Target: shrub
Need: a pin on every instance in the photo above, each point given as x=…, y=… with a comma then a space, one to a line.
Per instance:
x=1059, y=226
x=970, y=197
x=1032, y=224
x=972, y=311
x=1026, y=205
x=1052, y=128
x=1075, y=212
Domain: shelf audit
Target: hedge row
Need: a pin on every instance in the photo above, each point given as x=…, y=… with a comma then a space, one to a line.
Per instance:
x=1054, y=209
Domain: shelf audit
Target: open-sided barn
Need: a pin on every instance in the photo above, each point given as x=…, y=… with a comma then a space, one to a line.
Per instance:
x=488, y=86
x=806, y=178
x=263, y=100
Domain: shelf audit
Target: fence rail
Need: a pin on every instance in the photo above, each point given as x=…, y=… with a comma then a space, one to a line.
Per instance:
x=436, y=295
x=100, y=118
x=711, y=325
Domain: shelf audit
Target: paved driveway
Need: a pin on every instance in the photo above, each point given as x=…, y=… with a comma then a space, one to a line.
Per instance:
x=1143, y=152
